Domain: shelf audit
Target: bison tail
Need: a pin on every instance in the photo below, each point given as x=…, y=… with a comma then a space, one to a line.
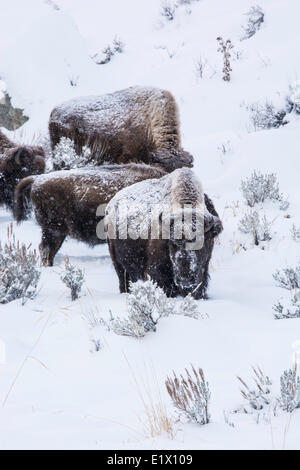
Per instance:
x=21, y=207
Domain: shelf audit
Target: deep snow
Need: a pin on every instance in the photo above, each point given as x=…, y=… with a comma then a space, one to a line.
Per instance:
x=64, y=395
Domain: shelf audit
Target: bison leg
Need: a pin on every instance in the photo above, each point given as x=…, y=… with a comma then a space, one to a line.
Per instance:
x=51, y=242
x=121, y=272
x=129, y=259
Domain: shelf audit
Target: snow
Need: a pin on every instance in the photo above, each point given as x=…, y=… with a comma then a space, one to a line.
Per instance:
x=64, y=395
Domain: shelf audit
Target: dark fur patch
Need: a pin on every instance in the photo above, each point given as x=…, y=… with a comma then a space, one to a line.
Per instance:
x=16, y=163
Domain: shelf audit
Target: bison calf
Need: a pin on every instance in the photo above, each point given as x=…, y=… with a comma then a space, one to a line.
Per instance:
x=136, y=124
x=17, y=162
x=175, y=252
x=66, y=202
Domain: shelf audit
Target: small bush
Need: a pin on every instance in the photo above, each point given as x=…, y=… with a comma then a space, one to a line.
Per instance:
x=288, y=278
x=266, y=116
x=225, y=48
x=261, y=187
x=64, y=155
x=259, y=228
x=258, y=397
x=293, y=99
x=289, y=399
x=289, y=309
x=109, y=52
x=19, y=270
x=256, y=17
x=73, y=278
x=190, y=395
x=295, y=233
x=147, y=303
x=168, y=11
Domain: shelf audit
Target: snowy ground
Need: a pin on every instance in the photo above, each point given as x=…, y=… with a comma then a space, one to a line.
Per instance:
x=57, y=392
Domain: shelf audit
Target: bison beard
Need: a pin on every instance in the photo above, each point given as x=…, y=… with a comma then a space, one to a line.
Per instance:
x=137, y=124
x=175, y=269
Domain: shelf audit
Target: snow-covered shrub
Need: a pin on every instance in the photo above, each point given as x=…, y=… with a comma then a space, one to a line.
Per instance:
x=73, y=277
x=74, y=80
x=109, y=51
x=293, y=98
x=118, y=45
x=266, y=116
x=256, y=17
x=19, y=270
x=288, y=278
x=258, y=397
x=147, y=303
x=168, y=11
x=295, y=233
x=190, y=395
x=260, y=187
x=258, y=227
x=225, y=48
x=288, y=309
x=289, y=399
x=189, y=307
x=108, y=54
x=64, y=155
x=96, y=345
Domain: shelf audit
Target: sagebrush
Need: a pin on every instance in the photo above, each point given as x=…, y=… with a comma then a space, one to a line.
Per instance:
x=256, y=17
x=65, y=157
x=260, y=187
x=190, y=395
x=73, y=278
x=255, y=225
x=266, y=116
x=147, y=303
x=19, y=270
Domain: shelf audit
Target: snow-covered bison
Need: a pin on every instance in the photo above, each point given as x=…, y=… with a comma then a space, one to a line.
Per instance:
x=67, y=203
x=17, y=162
x=137, y=124
x=166, y=253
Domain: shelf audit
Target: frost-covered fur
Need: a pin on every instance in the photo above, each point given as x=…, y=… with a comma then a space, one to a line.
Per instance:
x=167, y=261
x=135, y=124
x=65, y=202
x=17, y=162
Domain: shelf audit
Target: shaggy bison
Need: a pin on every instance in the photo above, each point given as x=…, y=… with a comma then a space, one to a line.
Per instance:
x=169, y=258
x=17, y=162
x=66, y=202
x=136, y=124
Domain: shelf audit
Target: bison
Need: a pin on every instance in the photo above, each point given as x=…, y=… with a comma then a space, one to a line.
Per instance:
x=16, y=163
x=66, y=202
x=137, y=124
x=169, y=258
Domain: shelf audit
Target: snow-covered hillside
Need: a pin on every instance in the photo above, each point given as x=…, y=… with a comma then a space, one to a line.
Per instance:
x=57, y=391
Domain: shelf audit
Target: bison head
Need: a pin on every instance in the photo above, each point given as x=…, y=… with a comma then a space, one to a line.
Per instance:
x=23, y=161
x=170, y=160
x=18, y=163
x=190, y=259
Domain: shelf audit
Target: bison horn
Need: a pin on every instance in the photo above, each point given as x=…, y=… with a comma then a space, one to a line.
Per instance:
x=17, y=157
x=208, y=223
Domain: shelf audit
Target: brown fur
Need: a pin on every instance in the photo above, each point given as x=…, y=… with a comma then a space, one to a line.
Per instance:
x=17, y=162
x=175, y=269
x=65, y=202
x=136, y=124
